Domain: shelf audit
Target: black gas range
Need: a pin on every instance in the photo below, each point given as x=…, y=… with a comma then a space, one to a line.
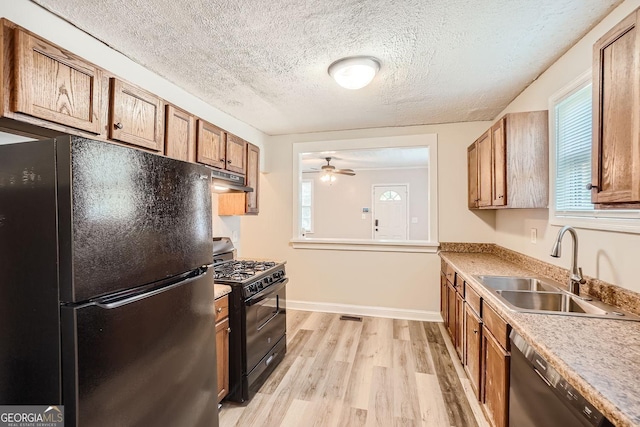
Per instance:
x=257, y=317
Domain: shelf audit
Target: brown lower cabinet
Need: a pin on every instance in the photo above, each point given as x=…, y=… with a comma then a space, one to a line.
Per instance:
x=480, y=337
x=473, y=349
x=495, y=382
x=222, y=346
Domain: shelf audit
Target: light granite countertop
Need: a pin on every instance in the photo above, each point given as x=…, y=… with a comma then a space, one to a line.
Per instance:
x=221, y=290
x=599, y=357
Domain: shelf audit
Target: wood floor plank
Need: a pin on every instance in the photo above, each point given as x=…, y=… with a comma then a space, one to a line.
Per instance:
x=357, y=395
x=420, y=348
x=295, y=320
x=432, y=407
x=298, y=411
x=384, y=338
x=329, y=403
x=401, y=330
x=352, y=417
x=458, y=408
x=294, y=348
x=319, y=323
x=347, y=345
x=255, y=412
x=380, y=411
x=406, y=406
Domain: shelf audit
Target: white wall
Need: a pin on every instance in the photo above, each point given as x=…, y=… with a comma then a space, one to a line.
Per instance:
x=50, y=27
x=608, y=256
x=407, y=281
x=338, y=206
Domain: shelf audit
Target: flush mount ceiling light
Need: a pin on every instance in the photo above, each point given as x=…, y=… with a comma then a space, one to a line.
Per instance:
x=354, y=72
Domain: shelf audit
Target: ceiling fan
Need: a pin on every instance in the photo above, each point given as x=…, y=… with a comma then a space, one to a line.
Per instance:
x=330, y=169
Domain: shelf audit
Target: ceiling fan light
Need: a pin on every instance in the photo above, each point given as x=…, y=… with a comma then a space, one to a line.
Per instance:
x=355, y=72
x=328, y=177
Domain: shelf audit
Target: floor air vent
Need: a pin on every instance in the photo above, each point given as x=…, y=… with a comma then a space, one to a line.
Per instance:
x=352, y=318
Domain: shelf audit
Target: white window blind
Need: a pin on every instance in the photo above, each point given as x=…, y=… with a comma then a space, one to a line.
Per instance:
x=573, y=152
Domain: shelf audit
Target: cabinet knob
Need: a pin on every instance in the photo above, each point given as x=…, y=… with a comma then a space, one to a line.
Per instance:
x=590, y=186
x=219, y=310
x=475, y=331
x=118, y=125
x=229, y=161
x=229, y=330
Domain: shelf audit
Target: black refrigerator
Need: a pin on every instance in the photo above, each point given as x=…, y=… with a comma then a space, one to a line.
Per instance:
x=106, y=301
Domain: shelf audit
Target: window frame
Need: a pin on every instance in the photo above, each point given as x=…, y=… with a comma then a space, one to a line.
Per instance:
x=598, y=219
x=427, y=140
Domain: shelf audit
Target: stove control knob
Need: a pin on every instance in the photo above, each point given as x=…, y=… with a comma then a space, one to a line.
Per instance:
x=259, y=285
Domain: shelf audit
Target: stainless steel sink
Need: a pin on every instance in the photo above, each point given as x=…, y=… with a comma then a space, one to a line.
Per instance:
x=549, y=301
x=538, y=295
x=509, y=283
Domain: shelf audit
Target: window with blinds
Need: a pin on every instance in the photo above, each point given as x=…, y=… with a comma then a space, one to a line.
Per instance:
x=573, y=152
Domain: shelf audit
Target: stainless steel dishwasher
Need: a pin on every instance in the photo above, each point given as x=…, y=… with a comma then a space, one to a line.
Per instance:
x=540, y=397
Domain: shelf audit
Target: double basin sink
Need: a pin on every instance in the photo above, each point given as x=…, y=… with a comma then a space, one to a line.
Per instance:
x=536, y=295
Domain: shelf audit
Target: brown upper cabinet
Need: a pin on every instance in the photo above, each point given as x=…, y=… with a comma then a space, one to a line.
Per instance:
x=615, y=179
x=180, y=134
x=472, y=175
x=54, y=85
x=484, y=169
x=508, y=165
x=135, y=116
x=244, y=203
x=236, y=154
x=253, y=178
x=211, y=144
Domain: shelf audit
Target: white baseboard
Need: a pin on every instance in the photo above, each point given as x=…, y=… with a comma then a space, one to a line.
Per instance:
x=363, y=310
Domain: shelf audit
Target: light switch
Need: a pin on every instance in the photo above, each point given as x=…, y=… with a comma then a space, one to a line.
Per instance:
x=235, y=236
x=534, y=235
x=414, y=220
x=364, y=216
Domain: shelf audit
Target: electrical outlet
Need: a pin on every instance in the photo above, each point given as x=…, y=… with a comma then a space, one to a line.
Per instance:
x=235, y=236
x=534, y=235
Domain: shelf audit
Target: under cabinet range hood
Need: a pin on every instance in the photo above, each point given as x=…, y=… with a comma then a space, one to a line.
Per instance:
x=228, y=182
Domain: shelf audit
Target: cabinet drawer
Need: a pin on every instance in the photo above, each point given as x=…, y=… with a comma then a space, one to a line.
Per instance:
x=222, y=308
x=496, y=325
x=450, y=273
x=460, y=285
x=473, y=299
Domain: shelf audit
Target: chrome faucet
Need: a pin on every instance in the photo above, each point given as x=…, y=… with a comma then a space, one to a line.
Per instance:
x=575, y=279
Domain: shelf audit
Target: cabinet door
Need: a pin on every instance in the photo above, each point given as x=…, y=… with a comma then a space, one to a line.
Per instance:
x=451, y=312
x=495, y=380
x=472, y=175
x=222, y=357
x=236, y=154
x=211, y=143
x=180, y=135
x=616, y=137
x=499, y=163
x=54, y=85
x=253, y=178
x=136, y=116
x=459, y=329
x=444, y=299
x=484, y=169
x=473, y=348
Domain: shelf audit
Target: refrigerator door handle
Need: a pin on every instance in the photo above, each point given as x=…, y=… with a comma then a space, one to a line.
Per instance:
x=111, y=304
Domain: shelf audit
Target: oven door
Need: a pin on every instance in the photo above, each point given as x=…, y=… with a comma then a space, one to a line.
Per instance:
x=266, y=322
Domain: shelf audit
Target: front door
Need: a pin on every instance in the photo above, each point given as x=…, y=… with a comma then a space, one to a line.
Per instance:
x=390, y=212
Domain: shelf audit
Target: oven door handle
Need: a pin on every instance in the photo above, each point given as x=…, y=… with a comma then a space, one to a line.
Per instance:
x=265, y=293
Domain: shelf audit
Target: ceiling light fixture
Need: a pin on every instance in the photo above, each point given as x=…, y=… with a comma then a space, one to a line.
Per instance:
x=354, y=72
x=328, y=177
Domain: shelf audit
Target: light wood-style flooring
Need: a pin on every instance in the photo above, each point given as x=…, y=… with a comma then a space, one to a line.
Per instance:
x=378, y=372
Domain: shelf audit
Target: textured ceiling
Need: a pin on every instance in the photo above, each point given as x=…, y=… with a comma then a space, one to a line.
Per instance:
x=265, y=62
